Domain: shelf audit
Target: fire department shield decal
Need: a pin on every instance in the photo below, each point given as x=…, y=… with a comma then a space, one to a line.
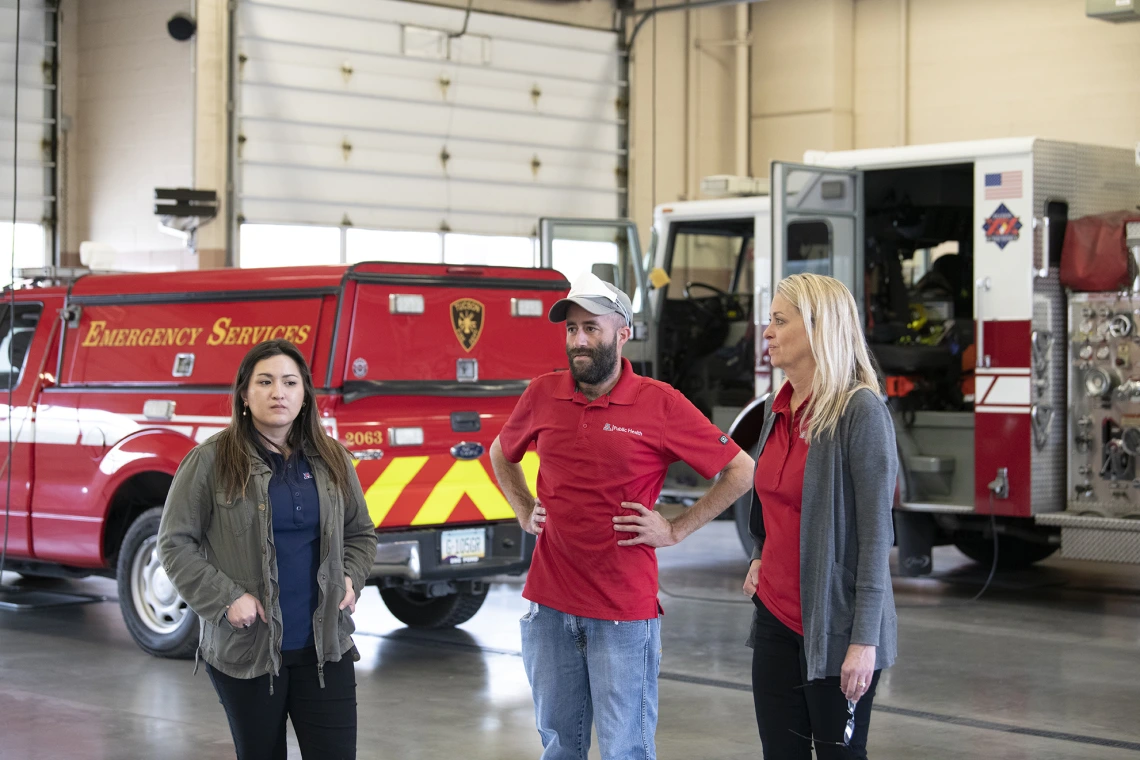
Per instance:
x=467, y=321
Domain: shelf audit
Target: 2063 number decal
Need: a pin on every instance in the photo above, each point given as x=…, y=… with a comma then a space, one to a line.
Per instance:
x=364, y=438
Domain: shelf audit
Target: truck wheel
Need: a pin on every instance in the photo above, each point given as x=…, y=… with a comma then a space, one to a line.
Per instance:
x=414, y=609
x=157, y=618
x=1013, y=553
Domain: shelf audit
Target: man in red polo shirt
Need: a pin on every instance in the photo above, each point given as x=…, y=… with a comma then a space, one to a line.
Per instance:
x=605, y=437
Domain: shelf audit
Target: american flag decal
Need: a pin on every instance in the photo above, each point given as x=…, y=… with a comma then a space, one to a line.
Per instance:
x=1003, y=186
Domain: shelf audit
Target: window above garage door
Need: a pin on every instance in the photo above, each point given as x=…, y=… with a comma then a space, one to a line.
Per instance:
x=379, y=115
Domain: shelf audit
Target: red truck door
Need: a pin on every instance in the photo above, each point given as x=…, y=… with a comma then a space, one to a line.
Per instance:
x=21, y=345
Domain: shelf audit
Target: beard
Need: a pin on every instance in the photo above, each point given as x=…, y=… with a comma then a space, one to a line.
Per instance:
x=603, y=361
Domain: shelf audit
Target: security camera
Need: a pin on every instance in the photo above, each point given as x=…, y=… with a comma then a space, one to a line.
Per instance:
x=181, y=26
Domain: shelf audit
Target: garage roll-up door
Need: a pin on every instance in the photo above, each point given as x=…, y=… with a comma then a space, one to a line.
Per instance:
x=383, y=115
x=27, y=142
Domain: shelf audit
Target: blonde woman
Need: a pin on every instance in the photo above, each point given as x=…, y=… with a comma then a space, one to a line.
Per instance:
x=825, y=624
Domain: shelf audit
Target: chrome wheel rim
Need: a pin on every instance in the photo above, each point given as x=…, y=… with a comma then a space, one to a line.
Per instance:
x=158, y=605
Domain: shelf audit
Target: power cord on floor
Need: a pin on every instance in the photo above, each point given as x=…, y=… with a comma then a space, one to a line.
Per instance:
x=989, y=578
x=692, y=598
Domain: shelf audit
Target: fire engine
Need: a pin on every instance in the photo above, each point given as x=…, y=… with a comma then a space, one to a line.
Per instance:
x=116, y=377
x=1016, y=401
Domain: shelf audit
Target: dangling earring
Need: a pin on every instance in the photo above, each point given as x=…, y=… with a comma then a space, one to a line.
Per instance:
x=243, y=411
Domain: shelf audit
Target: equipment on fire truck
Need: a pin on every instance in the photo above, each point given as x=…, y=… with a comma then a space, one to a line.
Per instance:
x=1095, y=256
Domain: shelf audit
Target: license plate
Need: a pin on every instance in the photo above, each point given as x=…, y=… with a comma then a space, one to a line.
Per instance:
x=462, y=546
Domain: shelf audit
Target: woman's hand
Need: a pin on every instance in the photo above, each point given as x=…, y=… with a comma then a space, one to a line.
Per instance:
x=349, y=596
x=752, y=579
x=244, y=611
x=858, y=668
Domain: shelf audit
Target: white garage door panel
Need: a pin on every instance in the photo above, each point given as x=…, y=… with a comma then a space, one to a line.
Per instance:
x=427, y=15
x=485, y=123
x=27, y=88
x=396, y=83
x=391, y=218
x=349, y=36
x=30, y=147
x=32, y=23
x=31, y=183
x=396, y=163
x=328, y=63
x=319, y=74
x=31, y=101
x=419, y=192
x=267, y=138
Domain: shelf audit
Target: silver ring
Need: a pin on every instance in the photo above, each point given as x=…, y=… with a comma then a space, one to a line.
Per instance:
x=861, y=683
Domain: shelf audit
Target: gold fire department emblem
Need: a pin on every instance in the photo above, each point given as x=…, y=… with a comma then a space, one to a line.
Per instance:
x=467, y=321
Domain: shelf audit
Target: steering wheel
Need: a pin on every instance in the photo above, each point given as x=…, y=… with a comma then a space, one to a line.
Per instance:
x=706, y=286
x=723, y=300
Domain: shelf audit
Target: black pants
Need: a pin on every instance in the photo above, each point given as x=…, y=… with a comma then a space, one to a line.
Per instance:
x=787, y=702
x=324, y=719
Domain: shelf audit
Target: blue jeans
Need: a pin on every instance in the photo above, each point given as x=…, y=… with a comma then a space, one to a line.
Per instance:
x=582, y=670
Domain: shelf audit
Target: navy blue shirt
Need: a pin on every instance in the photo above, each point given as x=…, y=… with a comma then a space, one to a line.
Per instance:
x=296, y=514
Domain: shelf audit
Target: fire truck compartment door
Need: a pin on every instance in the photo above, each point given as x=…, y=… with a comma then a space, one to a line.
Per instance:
x=484, y=333
x=817, y=225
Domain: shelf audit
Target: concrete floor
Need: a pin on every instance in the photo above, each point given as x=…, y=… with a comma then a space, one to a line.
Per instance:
x=1044, y=666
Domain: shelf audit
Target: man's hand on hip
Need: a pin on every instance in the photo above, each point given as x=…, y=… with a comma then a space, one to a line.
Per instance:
x=651, y=528
x=537, y=519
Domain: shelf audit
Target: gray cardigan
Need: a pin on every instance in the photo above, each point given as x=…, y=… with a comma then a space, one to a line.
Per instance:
x=846, y=534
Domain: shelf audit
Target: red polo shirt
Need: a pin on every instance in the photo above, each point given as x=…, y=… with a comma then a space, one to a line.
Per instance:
x=780, y=488
x=594, y=455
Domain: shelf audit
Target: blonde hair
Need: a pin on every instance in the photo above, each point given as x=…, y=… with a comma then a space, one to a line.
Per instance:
x=842, y=360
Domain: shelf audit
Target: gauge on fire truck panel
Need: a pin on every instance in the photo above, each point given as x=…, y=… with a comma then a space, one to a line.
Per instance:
x=1086, y=352
x=1098, y=383
x=1120, y=326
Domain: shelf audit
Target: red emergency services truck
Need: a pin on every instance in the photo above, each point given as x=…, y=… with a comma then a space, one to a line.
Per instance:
x=117, y=376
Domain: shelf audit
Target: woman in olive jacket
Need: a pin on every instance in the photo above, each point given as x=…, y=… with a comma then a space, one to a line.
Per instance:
x=267, y=537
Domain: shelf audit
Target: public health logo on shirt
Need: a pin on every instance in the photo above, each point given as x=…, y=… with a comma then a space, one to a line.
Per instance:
x=308, y=475
x=616, y=429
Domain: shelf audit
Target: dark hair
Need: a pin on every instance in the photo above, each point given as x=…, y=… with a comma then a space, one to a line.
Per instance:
x=235, y=443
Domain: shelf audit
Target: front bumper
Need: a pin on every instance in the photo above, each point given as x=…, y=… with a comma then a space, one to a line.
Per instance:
x=414, y=555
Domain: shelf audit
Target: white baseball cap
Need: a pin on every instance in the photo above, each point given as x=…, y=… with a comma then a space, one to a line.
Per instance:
x=596, y=296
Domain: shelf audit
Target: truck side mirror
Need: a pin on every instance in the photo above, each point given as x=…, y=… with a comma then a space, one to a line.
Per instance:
x=71, y=315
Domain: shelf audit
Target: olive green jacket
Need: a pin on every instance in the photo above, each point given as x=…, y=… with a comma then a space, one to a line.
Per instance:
x=215, y=550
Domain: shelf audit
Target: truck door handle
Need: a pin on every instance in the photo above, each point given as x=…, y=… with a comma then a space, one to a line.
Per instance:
x=984, y=284
x=158, y=409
